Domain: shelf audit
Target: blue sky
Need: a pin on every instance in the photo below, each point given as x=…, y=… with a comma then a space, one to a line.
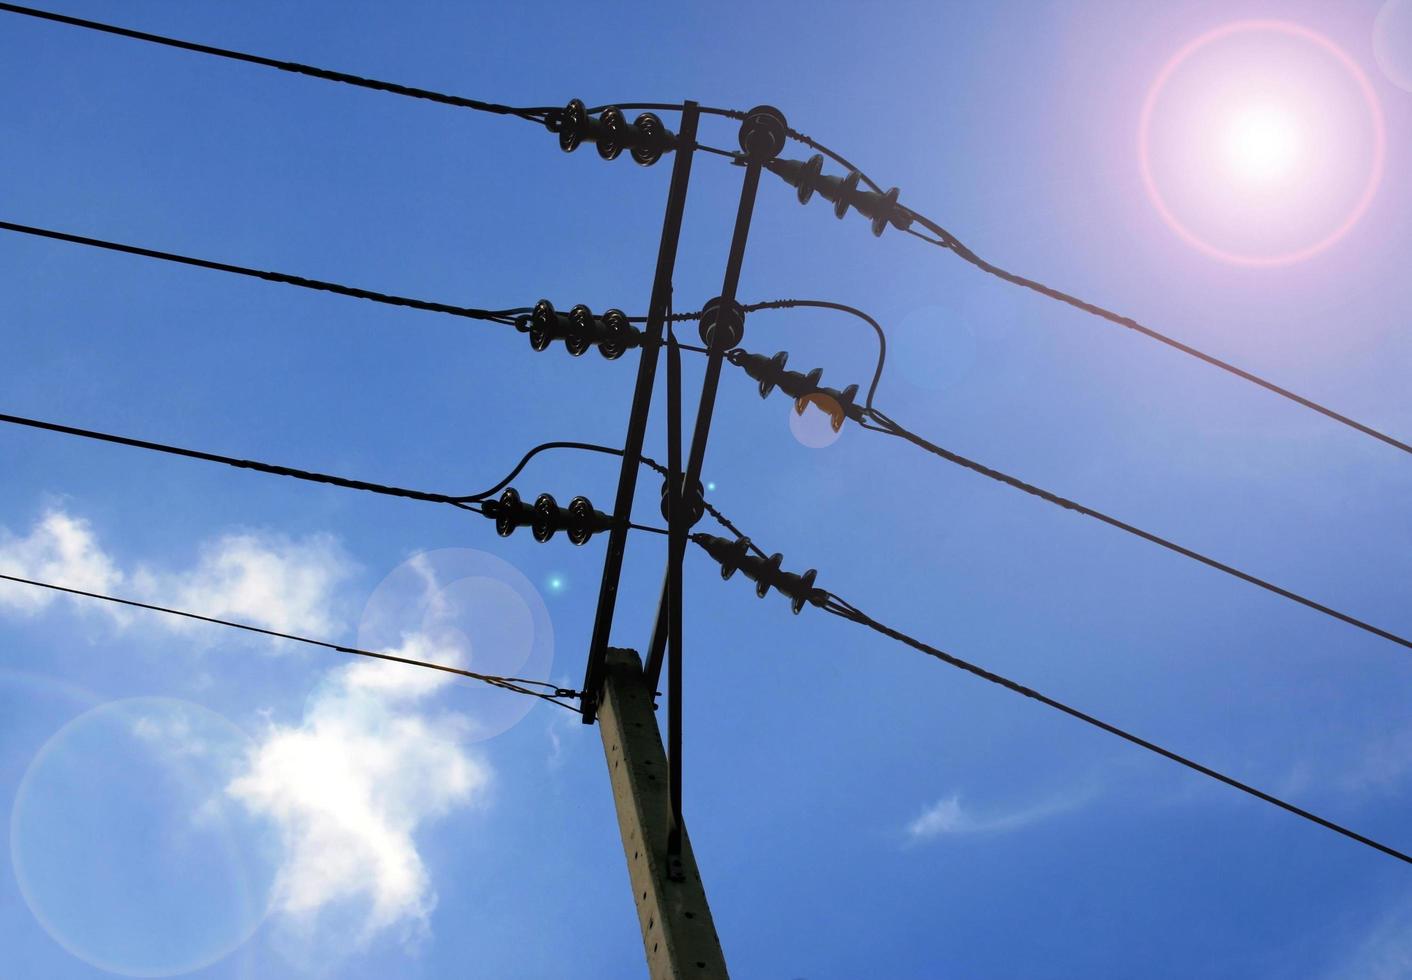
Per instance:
x=177, y=797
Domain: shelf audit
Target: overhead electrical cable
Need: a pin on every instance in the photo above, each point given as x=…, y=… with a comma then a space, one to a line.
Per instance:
x=531, y=114
x=884, y=424
x=820, y=304
x=949, y=241
x=506, y=316
x=884, y=210
x=471, y=502
x=517, y=684
x=832, y=604
x=535, y=114
x=244, y=464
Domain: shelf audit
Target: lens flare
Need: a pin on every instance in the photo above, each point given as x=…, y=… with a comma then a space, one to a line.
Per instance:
x=465, y=608
x=126, y=847
x=1392, y=42
x=1261, y=143
x=813, y=425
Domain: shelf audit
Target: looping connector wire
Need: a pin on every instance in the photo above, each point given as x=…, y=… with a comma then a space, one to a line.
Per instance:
x=807, y=178
x=646, y=138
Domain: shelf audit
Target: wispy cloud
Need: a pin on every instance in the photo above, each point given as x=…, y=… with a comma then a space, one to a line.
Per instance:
x=350, y=786
x=267, y=580
x=347, y=787
x=948, y=817
x=59, y=548
x=1384, y=952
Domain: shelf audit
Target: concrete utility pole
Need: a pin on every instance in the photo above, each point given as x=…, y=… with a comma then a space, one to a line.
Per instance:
x=677, y=931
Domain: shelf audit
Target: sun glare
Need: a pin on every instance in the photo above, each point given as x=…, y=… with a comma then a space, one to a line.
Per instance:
x=1261, y=143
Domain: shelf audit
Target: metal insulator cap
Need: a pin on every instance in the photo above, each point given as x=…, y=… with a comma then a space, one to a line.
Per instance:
x=543, y=325
x=763, y=132
x=574, y=124
x=508, y=511
x=651, y=139
x=616, y=135
x=584, y=521
x=582, y=328
x=546, y=518
x=731, y=324
x=616, y=334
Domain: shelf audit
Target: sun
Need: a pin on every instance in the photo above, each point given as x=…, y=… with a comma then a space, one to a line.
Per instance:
x=1261, y=143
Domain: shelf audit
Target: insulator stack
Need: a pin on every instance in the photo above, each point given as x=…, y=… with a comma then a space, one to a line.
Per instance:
x=736, y=556
x=579, y=329
x=545, y=517
x=805, y=389
x=807, y=178
x=646, y=138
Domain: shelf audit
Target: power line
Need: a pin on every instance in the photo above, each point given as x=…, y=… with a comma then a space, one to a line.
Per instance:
x=531, y=114
x=825, y=600
x=517, y=684
x=884, y=210
x=887, y=426
x=506, y=316
x=944, y=238
x=949, y=241
x=547, y=115
x=244, y=464
x=470, y=502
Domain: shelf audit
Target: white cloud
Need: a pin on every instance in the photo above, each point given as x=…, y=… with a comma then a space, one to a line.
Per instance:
x=266, y=580
x=400, y=682
x=262, y=579
x=349, y=786
x=61, y=549
x=947, y=817
x=348, y=789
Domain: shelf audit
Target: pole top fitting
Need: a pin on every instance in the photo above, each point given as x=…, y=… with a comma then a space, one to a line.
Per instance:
x=730, y=324
x=763, y=133
x=693, y=502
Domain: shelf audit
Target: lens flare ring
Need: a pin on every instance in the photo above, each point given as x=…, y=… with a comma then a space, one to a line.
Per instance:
x=1265, y=148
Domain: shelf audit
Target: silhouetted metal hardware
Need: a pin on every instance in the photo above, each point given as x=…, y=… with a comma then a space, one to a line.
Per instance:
x=731, y=325
x=763, y=133
x=694, y=499
x=803, y=388
x=646, y=138
x=579, y=329
x=807, y=177
x=736, y=556
x=545, y=517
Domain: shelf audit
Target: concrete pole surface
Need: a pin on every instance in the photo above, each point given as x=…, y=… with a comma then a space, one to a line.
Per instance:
x=677, y=931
